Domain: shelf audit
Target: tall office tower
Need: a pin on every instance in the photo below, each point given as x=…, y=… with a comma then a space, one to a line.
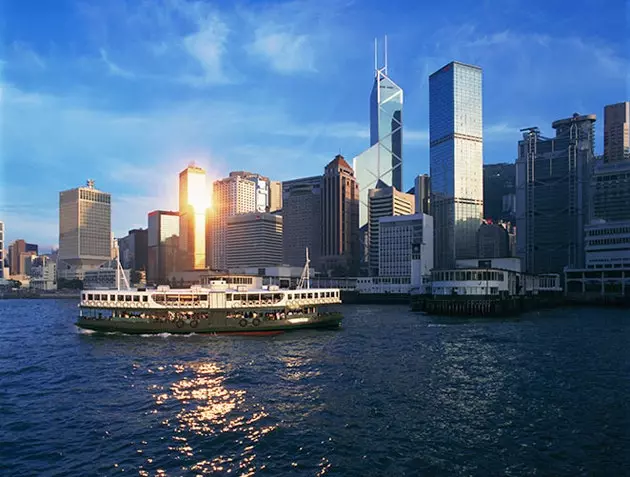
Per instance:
x=499, y=189
x=193, y=203
x=84, y=230
x=493, y=241
x=340, y=219
x=456, y=154
x=133, y=250
x=422, y=192
x=302, y=220
x=163, y=245
x=2, y=277
x=552, y=195
x=617, y=132
x=255, y=240
x=275, y=196
x=230, y=196
x=610, y=190
x=383, y=160
x=385, y=202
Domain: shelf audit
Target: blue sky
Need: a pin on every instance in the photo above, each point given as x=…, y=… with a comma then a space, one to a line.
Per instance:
x=128, y=92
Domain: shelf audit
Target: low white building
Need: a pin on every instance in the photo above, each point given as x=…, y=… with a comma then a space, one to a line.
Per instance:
x=47, y=281
x=396, y=240
x=104, y=278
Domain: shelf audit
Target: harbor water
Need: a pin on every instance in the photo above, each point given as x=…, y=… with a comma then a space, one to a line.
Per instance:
x=391, y=393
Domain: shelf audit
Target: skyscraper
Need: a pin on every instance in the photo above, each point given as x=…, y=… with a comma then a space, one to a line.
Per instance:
x=255, y=240
x=340, y=218
x=499, y=188
x=383, y=160
x=193, y=202
x=230, y=196
x=302, y=220
x=617, y=132
x=456, y=154
x=422, y=192
x=163, y=245
x=552, y=195
x=84, y=230
x=275, y=196
x=384, y=202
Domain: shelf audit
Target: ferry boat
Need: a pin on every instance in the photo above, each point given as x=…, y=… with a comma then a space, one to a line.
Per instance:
x=210, y=309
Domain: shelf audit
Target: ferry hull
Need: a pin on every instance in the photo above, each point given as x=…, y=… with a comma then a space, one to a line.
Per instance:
x=211, y=326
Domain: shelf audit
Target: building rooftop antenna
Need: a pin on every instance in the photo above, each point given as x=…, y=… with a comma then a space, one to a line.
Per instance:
x=385, y=54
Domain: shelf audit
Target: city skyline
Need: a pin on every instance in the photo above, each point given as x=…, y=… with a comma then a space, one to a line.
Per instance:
x=111, y=111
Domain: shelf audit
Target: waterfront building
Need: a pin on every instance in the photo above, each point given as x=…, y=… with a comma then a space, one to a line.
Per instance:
x=2, y=277
x=384, y=201
x=19, y=253
x=230, y=196
x=340, y=219
x=134, y=249
x=193, y=203
x=493, y=241
x=383, y=161
x=255, y=240
x=163, y=245
x=397, y=238
x=617, y=132
x=46, y=279
x=610, y=191
x=107, y=277
x=456, y=160
x=607, y=261
x=84, y=230
x=422, y=193
x=302, y=220
x=552, y=195
x=499, y=192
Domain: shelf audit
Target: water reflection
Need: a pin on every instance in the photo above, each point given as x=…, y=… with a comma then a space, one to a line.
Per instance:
x=211, y=416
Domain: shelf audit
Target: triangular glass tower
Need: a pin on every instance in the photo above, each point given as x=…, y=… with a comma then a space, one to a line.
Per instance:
x=383, y=160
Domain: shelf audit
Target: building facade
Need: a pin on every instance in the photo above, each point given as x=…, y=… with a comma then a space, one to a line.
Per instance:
x=398, y=235
x=2, y=277
x=276, y=195
x=617, y=132
x=422, y=192
x=456, y=160
x=230, y=196
x=493, y=241
x=340, y=219
x=302, y=220
x=552, y=195
x=383, y=161
x=255, y=240
x=610, y=191
x=384, y=202
x=133, y=250
x=499, y=192
x=163, y=245
x=193, y=203
x=85, y=235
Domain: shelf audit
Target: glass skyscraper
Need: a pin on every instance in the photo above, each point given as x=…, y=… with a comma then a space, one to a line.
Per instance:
x=383, y=160
x=456, y=154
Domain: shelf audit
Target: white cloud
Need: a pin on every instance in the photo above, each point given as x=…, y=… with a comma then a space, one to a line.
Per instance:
x=113, y=68
x=284, y=52
x=208, y=46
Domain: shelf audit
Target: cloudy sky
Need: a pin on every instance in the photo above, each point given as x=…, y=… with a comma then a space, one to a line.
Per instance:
x=129, y=92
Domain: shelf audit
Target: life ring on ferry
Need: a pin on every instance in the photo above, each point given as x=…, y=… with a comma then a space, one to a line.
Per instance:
x=255, y=322
x=243, y=323
x=179, y=323
x=194, y=322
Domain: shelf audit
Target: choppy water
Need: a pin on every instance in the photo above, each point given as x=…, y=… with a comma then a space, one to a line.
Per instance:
x=391, y=393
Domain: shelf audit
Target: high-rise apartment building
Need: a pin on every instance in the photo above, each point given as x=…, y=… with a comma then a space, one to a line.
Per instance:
x=617, y=132
x=193, y=203
x=396, y=240
x=340, y=218
x=230, y=196
x=302, y=220
x=422, y=192
x=456, y=155
x=384, y=202
x=383, y=161
x=552, y=195
x=163, y=245
x=255, y=240
x=84, y=230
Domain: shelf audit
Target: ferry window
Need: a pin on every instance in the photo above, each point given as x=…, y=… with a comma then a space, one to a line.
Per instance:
x=228, y=296
x=158, y=298
x=203, y=297
x=90, y=297
x=127, y=297
x=277, y=297
x=468, y=276
x=310, y=295
x=136, y=298
x=145, y=298
x=112, y=297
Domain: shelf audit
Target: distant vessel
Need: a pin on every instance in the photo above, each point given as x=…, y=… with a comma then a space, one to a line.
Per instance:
x=212, y=309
